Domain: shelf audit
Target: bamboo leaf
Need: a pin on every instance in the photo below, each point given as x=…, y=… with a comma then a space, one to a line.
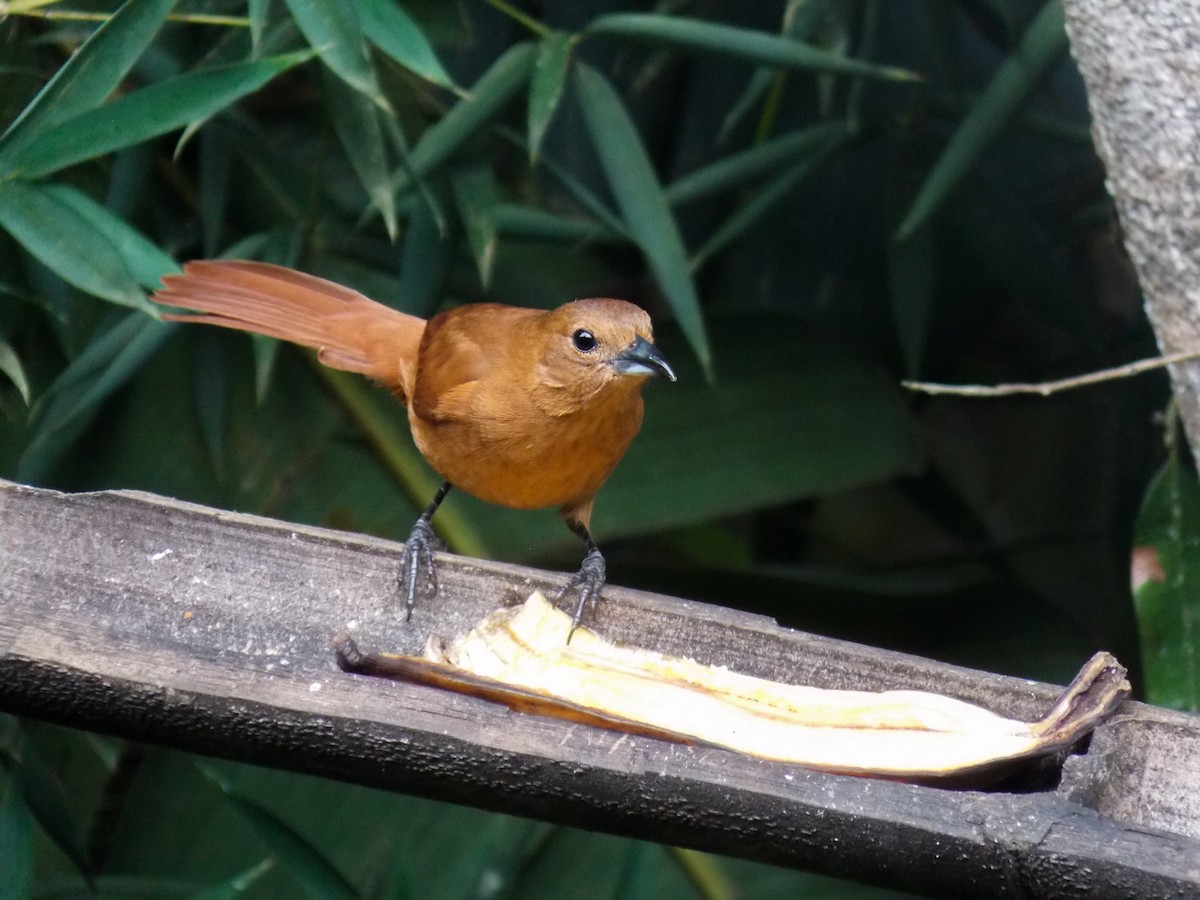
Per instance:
x=90, y=75
x=46, y=800
x=16, y=837
x=735, y=170
x=162, y=107
x=498, y=85
x=356, y=121
x=752, y=212
x=239, y=884
x=572, y=185
x=392, y=30
x=705, y=872
x=760, y=82
x=642, y=202
x=259, y=10
x=75, y=396
x=520, y=221
x=912, y=269
x=794, y=413
x=312, y=872
x=66, y=243
x=210, y=389
x=546, y=87
x=1167, y=602
x=1042, y=44
x=10, y=365
x=475, y=195
x=425, y=260
x=740, y=43
x=142, y=258
x=636, y=880
x=800, y=19
x=215, y=154
x=334, y=32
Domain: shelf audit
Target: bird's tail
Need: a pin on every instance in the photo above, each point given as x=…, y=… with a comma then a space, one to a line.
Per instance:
x=348, y=330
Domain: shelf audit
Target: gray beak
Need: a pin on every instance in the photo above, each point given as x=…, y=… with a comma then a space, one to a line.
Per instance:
x=642, y=358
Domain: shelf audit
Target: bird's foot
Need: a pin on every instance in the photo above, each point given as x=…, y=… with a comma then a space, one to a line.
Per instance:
x=418, y=574
x=590, y=580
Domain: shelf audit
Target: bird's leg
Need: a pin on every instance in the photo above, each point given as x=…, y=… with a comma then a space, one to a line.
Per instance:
x=589, y=579
x=417, y=560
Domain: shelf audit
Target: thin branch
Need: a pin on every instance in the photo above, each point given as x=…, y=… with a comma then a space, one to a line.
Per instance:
x=1045, y=388
x=513, y=13
x=33, y=11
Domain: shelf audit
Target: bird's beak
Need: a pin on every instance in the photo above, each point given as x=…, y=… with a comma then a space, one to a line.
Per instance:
x=642, y=358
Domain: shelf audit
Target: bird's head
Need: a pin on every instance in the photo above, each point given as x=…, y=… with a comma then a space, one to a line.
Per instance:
x=594, y=345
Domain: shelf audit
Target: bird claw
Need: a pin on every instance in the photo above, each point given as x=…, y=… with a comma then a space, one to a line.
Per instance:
x=417, y=561
x=590, y=580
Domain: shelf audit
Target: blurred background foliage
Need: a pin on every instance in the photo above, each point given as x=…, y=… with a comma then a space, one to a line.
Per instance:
x=814, y=199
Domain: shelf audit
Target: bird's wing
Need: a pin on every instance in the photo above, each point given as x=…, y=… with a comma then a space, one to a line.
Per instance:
x=460, y=349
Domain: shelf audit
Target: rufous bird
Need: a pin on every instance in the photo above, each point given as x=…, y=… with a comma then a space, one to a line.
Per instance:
x=523, y=408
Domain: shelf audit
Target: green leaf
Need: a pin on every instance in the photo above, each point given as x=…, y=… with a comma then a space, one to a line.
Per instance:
x=423, y=191
x=794, y=413
x=572, y=185
x=154, y=110
x=392, y=30
x=356, y=120
x=753, y=210
x=740, y=43
x=706, y=873
x=735, y=170
x=475, y=194
x=16, y=839
x=498, y=85
x=144, y=260
x=67, y=407
x=239, y=884
x=760, y=83
x=334, y=32
x=1042, y=44
x=519, y=221
x=215, y=154
x=800, y=19
x=118, y=887
x=546, y=87
x=912, y=267
x=210, y=390
x=10, y=365
x=66, y=242
x=45, y=798
x=1167, y=602
x=425, y=260
x=642, y=202
x=90, y=75
x=312, y=872
x=259, y=10
x=642, y=860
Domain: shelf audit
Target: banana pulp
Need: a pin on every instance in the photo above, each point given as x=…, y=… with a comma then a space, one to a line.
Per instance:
x=520, y=656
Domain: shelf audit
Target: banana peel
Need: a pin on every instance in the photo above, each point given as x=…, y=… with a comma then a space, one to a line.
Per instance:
x=521, y=657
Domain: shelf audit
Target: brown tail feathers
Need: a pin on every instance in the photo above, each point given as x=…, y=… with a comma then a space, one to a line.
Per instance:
x=348, y=330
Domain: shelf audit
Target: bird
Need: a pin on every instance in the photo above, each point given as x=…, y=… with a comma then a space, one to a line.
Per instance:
x=522, y=408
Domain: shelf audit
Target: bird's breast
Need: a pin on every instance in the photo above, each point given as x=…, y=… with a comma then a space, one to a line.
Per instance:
x=520, y=457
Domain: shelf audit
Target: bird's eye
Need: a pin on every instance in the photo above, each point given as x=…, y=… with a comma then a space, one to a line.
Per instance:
x=584, y=341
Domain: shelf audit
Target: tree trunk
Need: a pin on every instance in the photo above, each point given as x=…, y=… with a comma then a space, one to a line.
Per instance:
x=1141, y=65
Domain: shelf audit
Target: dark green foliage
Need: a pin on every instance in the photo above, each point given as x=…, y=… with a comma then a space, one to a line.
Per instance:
x=814, y=199
x=1167, y=597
